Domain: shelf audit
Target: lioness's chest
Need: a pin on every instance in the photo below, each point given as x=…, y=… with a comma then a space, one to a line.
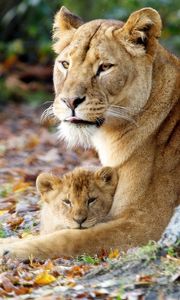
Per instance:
x=107, y=146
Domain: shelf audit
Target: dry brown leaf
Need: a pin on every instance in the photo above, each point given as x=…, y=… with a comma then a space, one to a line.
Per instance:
x=145, y=279
x=10, y=61
x=32, y=142
x=3, y=292
x=21, y=186
x=22, y=290
x=176, y=260
x=77, y=271
x=103, y=254
x=15, y=221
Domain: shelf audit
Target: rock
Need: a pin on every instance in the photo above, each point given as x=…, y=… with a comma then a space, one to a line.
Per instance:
x=171, y=235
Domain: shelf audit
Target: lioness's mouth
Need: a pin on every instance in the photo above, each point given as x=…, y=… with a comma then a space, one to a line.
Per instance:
x=79, y=121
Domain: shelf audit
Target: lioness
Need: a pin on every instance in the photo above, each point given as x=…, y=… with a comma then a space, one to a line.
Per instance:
x=117, y=90
x=80, y=199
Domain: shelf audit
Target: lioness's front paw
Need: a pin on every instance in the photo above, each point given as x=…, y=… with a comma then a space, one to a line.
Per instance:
x=15, y=250
x=2, y=249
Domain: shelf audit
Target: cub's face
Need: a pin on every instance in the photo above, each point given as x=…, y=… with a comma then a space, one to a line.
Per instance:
x=80, y=199
x=102, y=71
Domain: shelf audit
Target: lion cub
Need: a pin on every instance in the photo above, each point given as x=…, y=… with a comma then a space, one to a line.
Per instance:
x=80, y=199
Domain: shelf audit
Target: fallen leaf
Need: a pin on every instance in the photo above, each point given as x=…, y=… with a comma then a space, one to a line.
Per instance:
x=77, y=271
x=10, y=61
x=3, y=292
x=6, y=284
x=176, y=260
x=44, y=278
x=21, y=186
x=22, y=290
x=144, y=280
x=103, y=254
x=147, y=278
x=48, y=265
x=51, y=155
x=32, y=142
x=2, y=212
x=15, y=221
x=114, y=254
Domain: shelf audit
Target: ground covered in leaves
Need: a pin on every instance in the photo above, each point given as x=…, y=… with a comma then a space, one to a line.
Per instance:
x=26, y=149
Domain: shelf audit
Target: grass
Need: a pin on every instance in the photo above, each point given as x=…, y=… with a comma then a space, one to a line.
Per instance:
x=5, y=190
x=89, y=259
x=171, y=251
x=2, y=233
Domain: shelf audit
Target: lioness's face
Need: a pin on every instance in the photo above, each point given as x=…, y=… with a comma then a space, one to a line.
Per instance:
x=99, y=75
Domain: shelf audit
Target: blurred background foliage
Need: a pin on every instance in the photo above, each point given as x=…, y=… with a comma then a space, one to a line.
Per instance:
x=26, y=58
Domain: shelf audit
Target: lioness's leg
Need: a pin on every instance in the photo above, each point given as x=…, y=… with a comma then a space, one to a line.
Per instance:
x=8, y=240
x=121, y=234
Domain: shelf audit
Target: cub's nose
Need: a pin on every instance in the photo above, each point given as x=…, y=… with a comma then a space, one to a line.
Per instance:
x=72, y=103
x=80, y=220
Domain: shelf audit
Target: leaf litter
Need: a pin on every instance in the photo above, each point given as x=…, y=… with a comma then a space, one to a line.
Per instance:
x=26, y=149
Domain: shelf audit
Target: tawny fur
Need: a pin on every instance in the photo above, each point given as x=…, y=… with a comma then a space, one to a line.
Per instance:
x=79, y=195
x=138, y=99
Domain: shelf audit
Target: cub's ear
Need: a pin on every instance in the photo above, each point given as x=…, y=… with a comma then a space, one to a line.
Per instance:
x=65, y=24
x=46, y=182
x=141, y=27
x=107, y=175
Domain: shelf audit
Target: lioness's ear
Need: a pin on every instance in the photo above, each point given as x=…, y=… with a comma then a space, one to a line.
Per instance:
x=65, y=20
x=107, y=175
x=46, y=182
x=141, y=27
x=65, y=23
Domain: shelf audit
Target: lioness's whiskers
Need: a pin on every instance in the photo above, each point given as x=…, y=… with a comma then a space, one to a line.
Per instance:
x=48, y=102
x=48, y=114
x=117, y=107
x=121, y=113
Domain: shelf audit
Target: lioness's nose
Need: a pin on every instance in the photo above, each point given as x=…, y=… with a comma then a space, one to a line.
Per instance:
x=73, y=102
x=80, y=220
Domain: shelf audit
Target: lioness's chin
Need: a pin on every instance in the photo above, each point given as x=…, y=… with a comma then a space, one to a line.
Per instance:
x=76, y=134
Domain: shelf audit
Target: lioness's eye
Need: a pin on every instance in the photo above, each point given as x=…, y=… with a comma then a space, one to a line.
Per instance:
x=67, y=202
x=91, y=200
x=103, y=68
x=65, y=64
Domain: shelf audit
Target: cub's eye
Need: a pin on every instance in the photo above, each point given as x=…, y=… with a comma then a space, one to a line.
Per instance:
x=65, y=64
x=67, y=202
x=103, y=68
x=91, y=200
